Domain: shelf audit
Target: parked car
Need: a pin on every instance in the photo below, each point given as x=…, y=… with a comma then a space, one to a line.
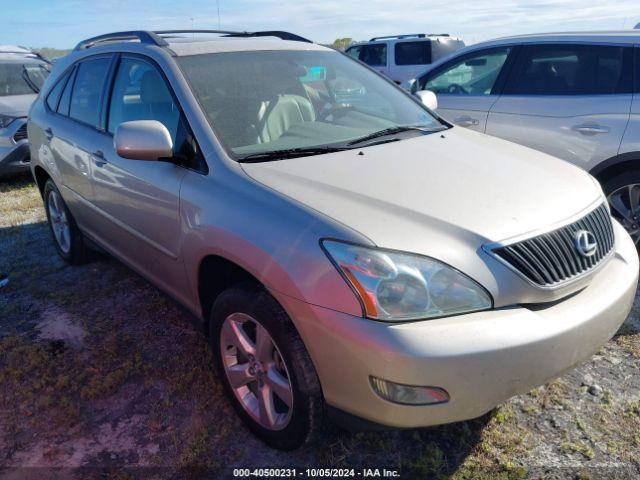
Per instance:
x=402, y=57
x=571, y=95
x=358, y=260
x=22, y=74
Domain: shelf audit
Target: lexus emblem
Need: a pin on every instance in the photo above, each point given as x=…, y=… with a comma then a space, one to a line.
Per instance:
x=585, y=243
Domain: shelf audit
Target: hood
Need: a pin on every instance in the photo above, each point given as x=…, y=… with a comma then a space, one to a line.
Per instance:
x=16, y=105
x=458, y=180
x=443, y=196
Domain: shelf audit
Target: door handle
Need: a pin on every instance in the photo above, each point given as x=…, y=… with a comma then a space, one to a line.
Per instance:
x=99, y=159
x=590, y=129
x=466, y=121
x=48, y=133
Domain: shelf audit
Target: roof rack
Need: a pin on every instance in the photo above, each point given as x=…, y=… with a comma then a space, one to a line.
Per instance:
x=272, y=33
x=156, y=37
x=142, y=35
x=267, y=33
x=409, y=35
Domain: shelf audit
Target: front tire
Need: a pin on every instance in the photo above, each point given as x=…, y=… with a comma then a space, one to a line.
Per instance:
x=623, y=193
x=67, y=238
x=265, y=368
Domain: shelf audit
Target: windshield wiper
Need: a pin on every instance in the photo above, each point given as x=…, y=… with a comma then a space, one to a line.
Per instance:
x=289, y=153
x=394, y=130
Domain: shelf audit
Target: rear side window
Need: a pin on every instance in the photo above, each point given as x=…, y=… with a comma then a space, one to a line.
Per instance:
x=87, y=90
x=374, y=55
x=56, y=92
x=65, y=100
x=413, y=53
x=572, y=70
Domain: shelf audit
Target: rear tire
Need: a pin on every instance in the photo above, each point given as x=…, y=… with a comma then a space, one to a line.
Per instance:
x=67, y=238
x=248, y=309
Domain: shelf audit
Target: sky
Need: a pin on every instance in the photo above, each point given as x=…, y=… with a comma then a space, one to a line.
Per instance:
x=63, y=23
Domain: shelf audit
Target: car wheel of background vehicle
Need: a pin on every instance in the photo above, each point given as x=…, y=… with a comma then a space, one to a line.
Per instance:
x=623, y=194
x=265, y=368
x=67, y=238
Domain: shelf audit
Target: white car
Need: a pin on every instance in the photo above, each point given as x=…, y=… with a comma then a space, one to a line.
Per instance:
x=402, y=57
x=571, y=95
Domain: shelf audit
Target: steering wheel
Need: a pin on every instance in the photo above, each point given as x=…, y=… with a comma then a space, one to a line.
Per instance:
x=456, y=88
x=337, y=109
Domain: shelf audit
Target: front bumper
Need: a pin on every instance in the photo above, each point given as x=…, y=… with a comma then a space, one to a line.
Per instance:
x=481, y=359
x=14, y=155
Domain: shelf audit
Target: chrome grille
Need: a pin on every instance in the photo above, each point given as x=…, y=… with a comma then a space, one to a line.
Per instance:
x=21, y=133
x=553, y=258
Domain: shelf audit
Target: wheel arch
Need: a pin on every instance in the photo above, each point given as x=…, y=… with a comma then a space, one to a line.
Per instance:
x=216, y=274
x=615, y=165
x=41, y=176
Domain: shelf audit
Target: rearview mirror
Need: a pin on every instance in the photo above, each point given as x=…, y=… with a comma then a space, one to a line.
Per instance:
x=428, y=99
x=143, y=140
x=476, y=62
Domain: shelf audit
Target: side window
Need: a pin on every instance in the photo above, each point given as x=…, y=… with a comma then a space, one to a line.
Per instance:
x=572, y=70
x=354, y=52
x=65, y=100
x=374, y=55
x=87, y=90
x=474, y=74
x=56, y=92
x=141, y=93
x=413, y=53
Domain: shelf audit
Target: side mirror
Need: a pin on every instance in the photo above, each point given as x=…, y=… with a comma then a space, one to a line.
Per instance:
x=143, y=140
x=428, y=98
x=412, y=86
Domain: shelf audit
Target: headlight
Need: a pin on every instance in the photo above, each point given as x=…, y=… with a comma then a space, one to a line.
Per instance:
x=401, y=286
x=5, y=120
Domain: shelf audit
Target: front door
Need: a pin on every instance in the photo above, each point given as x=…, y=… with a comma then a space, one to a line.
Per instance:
x=571, y=101
x=139, y=200
x=468, y=86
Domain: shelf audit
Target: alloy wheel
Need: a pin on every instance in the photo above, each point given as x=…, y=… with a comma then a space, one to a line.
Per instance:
x=256, y=371
x=59, y=221
x=625, y=207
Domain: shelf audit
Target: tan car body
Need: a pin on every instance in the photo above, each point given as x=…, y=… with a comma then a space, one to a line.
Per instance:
x=443, y=196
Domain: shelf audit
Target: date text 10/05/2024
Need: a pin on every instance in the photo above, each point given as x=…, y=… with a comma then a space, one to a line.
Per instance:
x=315, y=473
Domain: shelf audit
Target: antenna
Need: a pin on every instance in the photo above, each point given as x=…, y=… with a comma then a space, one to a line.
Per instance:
x=218, y=5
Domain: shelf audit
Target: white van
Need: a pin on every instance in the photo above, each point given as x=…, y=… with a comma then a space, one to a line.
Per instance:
x=402, y=57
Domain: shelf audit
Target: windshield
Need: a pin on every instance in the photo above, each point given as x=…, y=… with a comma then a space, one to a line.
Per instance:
x=265, y=101
x=21, y=79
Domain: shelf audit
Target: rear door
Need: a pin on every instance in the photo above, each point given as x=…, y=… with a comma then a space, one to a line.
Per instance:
x=569, y=100
x=467, y=86
x=410, y=57
x=139, y=200
x=74, y=108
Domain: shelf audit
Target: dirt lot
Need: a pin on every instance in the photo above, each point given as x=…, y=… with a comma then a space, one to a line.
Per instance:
x=102, y=376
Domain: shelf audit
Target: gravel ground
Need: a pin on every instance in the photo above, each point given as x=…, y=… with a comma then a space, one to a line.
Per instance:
x=103, y=376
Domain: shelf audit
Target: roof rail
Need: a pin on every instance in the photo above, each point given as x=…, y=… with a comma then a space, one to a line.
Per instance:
x=272, y=33
x=267, y=33
x=142, y=35
x=409, y=35
x=156, y=37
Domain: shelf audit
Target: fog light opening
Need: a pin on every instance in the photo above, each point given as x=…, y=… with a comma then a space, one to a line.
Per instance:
x=408, y=394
